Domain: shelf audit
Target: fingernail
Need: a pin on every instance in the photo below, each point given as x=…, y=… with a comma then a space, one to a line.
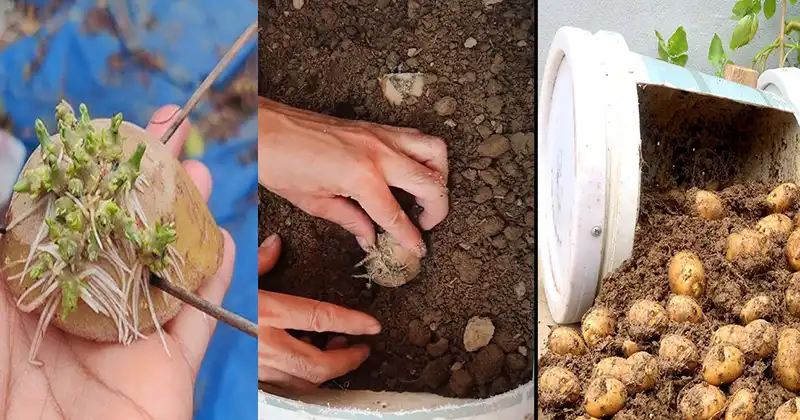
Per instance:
x=269, y=241
x=375, y=328
x=164, y=114
x=362, y=242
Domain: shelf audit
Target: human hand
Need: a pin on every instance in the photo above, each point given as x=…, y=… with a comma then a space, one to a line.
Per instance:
x=290, y=364
x=81, y=379
x=318, y=162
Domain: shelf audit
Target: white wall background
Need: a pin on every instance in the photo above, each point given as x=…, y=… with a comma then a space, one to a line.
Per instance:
x=637, y=20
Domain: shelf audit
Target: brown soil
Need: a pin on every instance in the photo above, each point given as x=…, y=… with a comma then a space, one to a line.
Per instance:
x=663, y=230
x=327, y=57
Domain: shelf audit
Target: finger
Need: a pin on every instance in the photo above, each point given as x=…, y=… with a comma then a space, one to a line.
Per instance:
x=284, y=381
x=192, y=328
x=346, y=214
x=268, y=253
x=430, y=151
x=160, y=122
x=423, y=183
x=336, y=343
x=201, y=177
x=378, y=201
x=297, y=313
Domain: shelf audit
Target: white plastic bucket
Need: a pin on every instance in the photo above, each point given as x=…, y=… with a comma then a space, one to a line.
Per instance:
x=596, y=95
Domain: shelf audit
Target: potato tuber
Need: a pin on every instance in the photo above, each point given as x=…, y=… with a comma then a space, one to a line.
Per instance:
x=741, y=406
x=747, y=243
x=708, y=205
x=723, y=364
x=638, y=372
x=790, y=410
x=597, y=324
x=782, y=198
x=775, y=225
x=786, y=365
x=793, y=295
x=678, y=354
x=759, y=307
x=605, y=396
x=389, y=264
x=647, y=319
x=566, y=341
x=558, y=387
x=793, y=250
x=702, y=402
x=684, y=309
x=630, y=347
x=686, y=274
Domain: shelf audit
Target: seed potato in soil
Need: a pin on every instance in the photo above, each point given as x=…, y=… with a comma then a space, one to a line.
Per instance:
x=330, y=56
x=743, y=338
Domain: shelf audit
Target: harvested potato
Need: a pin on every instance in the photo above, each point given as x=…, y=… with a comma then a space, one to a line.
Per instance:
x=782, y=198
x=647, y=319
x=747, y=243
x=733, y=335
x=643, y=372
x=112, y=200
x=775, y=225
x=558, y=387
x=630, y=347
x=723, y=364
x=759, y=307
x=686, y=274
x=390, y=264
x=702, y=402
x=684, y=309
x=615, y=367
x=761, y=340
x=786, y=366
x=597, y=324
x=793, y=295
x=605, y=396
x=678, y=354
x=708, y=205
x=790, y=410
x=741, y=406
x=566, y=341
x=793, y=250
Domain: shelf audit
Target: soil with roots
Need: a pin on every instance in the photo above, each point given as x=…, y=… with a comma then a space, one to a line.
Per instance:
x=327, y=57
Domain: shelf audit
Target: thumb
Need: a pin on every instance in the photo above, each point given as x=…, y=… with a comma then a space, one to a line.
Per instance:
x=268, y=253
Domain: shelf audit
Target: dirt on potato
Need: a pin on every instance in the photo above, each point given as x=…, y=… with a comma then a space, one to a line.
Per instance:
x=328, y=57
x=664, y=229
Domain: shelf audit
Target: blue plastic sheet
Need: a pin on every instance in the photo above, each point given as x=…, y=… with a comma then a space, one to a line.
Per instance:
x=189, y=36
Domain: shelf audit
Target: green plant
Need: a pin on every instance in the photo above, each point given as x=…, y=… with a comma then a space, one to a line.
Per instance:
x=675, y=50
x=717, y=56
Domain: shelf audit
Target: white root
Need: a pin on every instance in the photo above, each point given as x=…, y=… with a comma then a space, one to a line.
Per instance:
x=80, y=205
x=41, y=328
x=39, y=283
x=34, y=304
x=94, y=230
x=145, y=283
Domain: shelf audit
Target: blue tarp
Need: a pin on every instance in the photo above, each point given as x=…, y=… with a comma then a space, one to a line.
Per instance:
x=189, y=36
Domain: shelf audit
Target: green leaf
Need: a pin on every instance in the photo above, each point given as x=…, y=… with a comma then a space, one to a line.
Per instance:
x=741, y=33
x=677, y=43
x=769, y=8
x=753, y=28
x=756, y=7
x=662, y=48
x=680, y=60
x=742, y=8
x=716, y=53
x=792, y=1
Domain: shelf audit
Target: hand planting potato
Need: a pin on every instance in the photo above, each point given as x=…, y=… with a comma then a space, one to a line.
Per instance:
x=776, y=225
x=686, y=274
x=790, y=410
x=793, y=295
x=605, y=396
x=741, y=406
x=782, y=198
x=678, y=354
x=702, y=402
x=708, y=205
x=389, y=264
x=684, y=309
x=597, y=324
x=98, y=207
x=747, y=243
x=630, y=347
x=566, y=341
x=558, y=387
x=647, y=319
x=786, y=366
x=793, y=250
x=723, y=364
x=759, y=307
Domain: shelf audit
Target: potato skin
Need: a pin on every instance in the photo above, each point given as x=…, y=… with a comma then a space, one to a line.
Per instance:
x=759, y=307
x=793, y=295
x=793, y=250
x=786, y=365
x=605, y=396
x=565, y=341
x=708, y=205
x=647, y=319
x=686, y=274
x=678, y=354
x=747, y=242
x=558, y=387
x=644, y=372
x=741, y=406
x=782, y=198
x=597, y=324
x=684, y=309
x=723, y=364
x=630, y=347
x=761, y=340
x=790, y=410
x=775, y=225
x=702, y=402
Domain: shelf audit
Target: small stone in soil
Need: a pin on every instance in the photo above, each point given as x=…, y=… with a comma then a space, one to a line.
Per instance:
x=418, y=333
x=479, y=119
x=468, y=268
x=484, y=131
x=482, y=195
x=461, y=382
x=438, y=348
x=470, y=42
x=522, y=142
x=513, y=233
x=523, y=350
x=412, y=52
x=506, y=341
x=469, y=174
x=436, y=372
x=520, y=290
x=450, y=123
x=445, y=106
x=456, y=366
x=478, y=333
x=298, y=4
x=494, y=146
x=490, y=176
x=487, y=364
x=495, y=104
x=499, y=386
x=492, y=226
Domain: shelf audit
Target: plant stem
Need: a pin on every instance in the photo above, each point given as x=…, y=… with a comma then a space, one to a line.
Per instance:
x=783, y=30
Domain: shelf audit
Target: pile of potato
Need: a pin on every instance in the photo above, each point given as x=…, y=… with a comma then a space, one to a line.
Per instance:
x=616, y=380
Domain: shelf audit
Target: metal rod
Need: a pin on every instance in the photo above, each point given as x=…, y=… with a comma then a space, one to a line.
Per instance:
x=210, y=79
x=215, y=311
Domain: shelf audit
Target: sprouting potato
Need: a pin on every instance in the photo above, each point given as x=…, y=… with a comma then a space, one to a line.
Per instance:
x=702, y=402
x=647, y=319
x=686, y=274
x=793, y=250
x=684, y=309
x=723, y=364
x=775, y=225
x=390, y=264
x=759, y=307
x=566, y=341
x=790, y=410
x=678, y=354
x=597, y=324
x=793, y=295
x=558, y=387
x=605, y=396
x=630, y=347
x=741, y=406
x=748, y=242
x=786, y=365
x=782, y=198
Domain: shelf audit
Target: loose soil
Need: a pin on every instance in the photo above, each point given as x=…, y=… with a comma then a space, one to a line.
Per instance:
x=663, y=230
x=327, y=57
